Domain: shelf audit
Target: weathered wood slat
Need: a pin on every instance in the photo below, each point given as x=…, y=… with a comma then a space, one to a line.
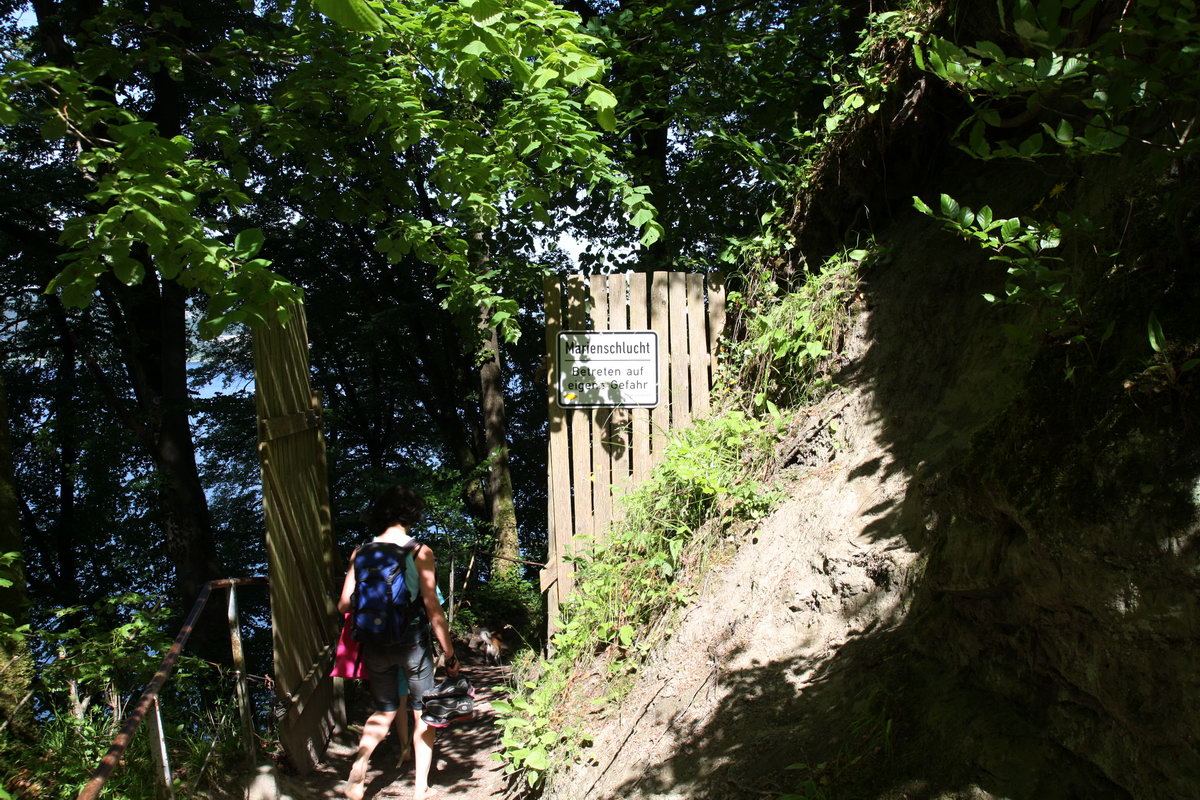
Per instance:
x=619, y=429
x=660, y=417
x=601, y=477
x=579, y=422
x=716, y=321
x=697, y=346
x=559, y=479
x=639, y=320
x=300, y=546
x=681, y=412
x=277, y=428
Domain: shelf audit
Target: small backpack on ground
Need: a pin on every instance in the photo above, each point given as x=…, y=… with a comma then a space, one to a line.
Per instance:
x=383, y=606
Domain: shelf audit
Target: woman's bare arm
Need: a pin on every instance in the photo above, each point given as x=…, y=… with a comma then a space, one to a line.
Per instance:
x=427, y=574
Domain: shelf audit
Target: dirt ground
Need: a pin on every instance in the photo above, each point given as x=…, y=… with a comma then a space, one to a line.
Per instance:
x=462, y=767
x=716, y=713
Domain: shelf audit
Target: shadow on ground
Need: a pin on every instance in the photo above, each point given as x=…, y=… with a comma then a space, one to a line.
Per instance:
x=462, y=765
x=1046, y=651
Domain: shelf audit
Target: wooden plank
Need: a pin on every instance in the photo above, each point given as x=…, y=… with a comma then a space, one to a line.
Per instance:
x=287, y=425
x=639, y=321
x=697, y=345
x=619, y=425
x=165, y=787
x=301, y=552
x=681, y=412
x=716, y=321
x=559, y=457
x=579, y=423
x=239, y=675
x=660, y=417
x=601, y=477
x=302, y=731
x=303, y=596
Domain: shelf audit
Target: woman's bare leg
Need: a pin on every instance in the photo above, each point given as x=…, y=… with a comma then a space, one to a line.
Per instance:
x=402, y=731
x=423, y=737
x=374, y=732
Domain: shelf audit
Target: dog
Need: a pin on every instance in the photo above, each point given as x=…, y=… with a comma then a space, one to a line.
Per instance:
x=491, y=643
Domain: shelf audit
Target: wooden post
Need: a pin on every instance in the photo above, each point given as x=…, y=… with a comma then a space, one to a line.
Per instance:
x=716, y=321
x=619, y=430
x=639, y=321
x=559, y=479
x=697, y=322
x=580, y=424
x=239, y=673
x=303, y=560
x=681, y=412
x=601, y=475
x=158, y=752
x=660, y=417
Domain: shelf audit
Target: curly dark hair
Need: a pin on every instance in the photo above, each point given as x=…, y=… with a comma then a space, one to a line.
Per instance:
x=395, y=505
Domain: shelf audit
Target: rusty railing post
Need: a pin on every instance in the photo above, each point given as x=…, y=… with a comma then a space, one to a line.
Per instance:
x=239, y=674
x=158, y=752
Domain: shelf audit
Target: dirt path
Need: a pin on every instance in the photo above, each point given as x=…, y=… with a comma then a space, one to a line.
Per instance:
x=462, y=765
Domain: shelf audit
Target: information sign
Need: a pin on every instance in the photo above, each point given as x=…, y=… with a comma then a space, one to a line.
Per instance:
x=607, y=369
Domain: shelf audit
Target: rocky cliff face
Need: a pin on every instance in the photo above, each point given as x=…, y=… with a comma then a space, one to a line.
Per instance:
x=986, y=581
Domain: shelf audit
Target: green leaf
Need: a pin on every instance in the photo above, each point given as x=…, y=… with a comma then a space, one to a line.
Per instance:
x=248, y=242
x=475, y=48
x=1010, y=228
x=643, y=216
x=485, y=12
x=652, y=234
x=1154, y=330
x=607, y=119
x=542, y=77
x=626, y=635
x=950, y=206
x=1065, y=134
x=600, y=98
x=129, y=271
x=353, y=14
x=922, y=206
x=1031, y=146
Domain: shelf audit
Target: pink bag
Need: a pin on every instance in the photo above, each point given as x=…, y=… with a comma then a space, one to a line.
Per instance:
x=347, y=662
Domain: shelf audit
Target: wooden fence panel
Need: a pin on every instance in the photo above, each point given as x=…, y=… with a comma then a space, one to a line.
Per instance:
x=579, y=425
x=596, y=455
x=639, y=320
x=302, y=558
x=559, y=457
x=681, y=411
x=619, y=429
x=660, y=416
x=601, y=474
x=697, y=335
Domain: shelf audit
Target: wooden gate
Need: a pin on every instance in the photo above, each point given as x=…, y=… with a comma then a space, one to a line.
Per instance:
x=597, y=454
x=304, y=568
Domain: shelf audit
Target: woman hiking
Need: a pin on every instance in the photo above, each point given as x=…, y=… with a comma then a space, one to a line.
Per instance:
x=407, y=647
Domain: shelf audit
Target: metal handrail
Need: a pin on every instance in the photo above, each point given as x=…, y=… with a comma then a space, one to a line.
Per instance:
x=150, y=697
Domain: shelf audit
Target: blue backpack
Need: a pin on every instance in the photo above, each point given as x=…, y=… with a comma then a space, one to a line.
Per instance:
x=383, y=608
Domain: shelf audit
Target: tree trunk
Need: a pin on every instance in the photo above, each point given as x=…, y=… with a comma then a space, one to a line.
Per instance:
x=495, y=426
x=155, y=348
x=495, y=437
x=16, y=663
